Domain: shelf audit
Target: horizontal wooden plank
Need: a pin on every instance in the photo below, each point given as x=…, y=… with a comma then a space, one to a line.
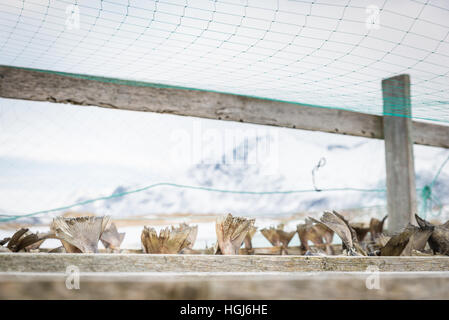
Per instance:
x=430, y=134
x=273, y=250
x=325, y=285
x=56, y=262
x=17, y=83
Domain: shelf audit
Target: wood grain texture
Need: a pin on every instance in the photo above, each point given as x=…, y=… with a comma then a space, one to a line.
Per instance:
x=35, y=85
x=57, y=262
x=273, y=250
x=399, y=159
x=324, y=285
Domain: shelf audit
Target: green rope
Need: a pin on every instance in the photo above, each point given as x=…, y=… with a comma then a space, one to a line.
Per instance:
x=168, y=184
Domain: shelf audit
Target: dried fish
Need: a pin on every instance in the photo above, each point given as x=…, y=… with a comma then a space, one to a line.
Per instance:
x=231, y=231
x=80, y=234
x=170, y=240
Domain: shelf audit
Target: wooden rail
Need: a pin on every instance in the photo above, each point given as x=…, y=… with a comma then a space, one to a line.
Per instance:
x=162, y=285
x=29, y=84
x=273, y=250
x=55, y=262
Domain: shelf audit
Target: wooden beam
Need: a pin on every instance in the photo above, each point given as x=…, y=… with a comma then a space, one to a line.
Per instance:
x=429, y=134
x=163, y=286
x=57, y=262
x=401, y=189
x=38, y=85
x=277, y=250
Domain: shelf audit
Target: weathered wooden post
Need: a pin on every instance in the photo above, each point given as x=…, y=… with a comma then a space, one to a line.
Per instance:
x=397, y=124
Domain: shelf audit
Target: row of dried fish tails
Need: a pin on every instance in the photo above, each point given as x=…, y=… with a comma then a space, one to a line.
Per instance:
x=83, y=234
